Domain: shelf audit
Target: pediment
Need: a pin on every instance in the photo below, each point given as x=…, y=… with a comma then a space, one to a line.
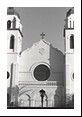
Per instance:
x=41, y=43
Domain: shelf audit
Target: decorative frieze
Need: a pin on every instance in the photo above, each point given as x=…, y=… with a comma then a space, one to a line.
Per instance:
x=53, y=83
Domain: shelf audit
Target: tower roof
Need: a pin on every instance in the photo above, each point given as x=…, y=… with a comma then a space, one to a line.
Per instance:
x=12, y=11
x=70, y=11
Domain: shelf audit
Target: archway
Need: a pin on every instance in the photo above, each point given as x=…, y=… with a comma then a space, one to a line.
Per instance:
x=40, y=99
x=24, y=100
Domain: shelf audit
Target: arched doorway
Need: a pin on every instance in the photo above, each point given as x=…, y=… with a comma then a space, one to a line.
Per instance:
x=24, y=100
x=40, y=99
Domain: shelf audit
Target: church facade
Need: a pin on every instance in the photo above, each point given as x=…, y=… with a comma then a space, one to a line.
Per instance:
x=40, y=76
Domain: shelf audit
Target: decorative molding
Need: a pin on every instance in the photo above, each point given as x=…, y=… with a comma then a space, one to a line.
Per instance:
x=45, y=83
x=70, y=52
x=16, y=29
x=45, y=41
x=41, y=51
x=69, y=28
x=12, y=53
x=57, y=72
x=24, y=72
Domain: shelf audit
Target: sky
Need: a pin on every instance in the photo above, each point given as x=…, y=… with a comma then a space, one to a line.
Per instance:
x=49, y=20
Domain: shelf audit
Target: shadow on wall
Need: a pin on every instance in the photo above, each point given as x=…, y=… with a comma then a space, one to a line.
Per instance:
x=57, y=68
x=57, y=65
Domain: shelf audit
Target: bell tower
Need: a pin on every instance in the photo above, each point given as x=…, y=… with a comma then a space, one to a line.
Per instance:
x=69, y=54
x=14, y=47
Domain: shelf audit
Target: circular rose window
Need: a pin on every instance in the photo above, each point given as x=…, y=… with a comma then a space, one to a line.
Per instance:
x=41, y=72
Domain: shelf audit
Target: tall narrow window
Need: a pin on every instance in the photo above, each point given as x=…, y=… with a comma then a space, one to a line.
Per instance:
x=8, y=24
x=72, y=42
x=12, y=42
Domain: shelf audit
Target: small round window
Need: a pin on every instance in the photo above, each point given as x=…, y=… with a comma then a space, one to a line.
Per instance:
x=41, y=72
x=8, y=74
